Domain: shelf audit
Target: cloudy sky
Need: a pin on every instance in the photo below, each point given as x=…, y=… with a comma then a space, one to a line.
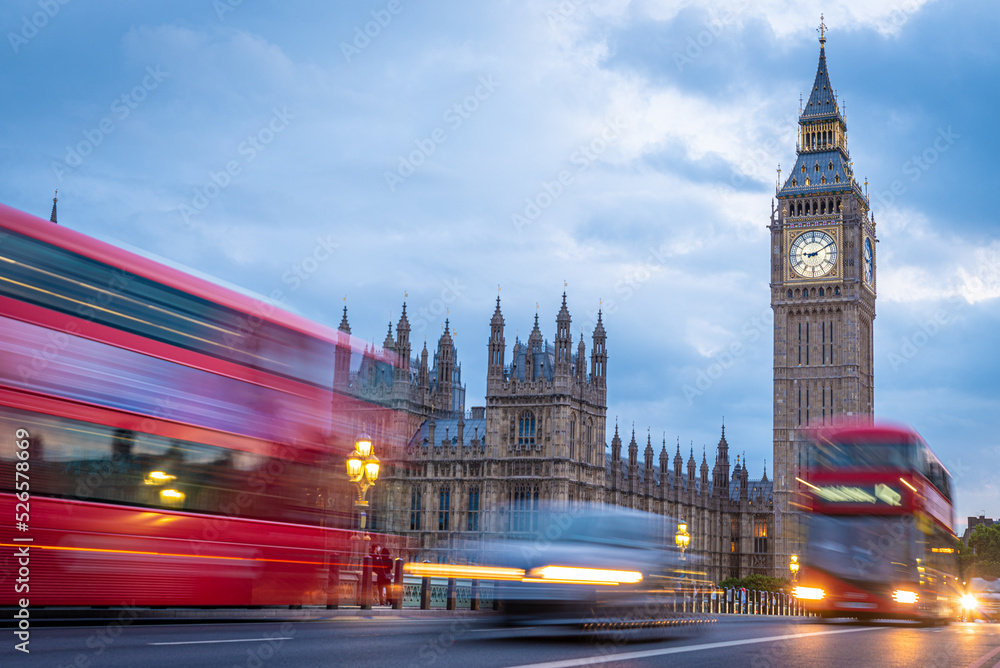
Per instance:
x=625, y=150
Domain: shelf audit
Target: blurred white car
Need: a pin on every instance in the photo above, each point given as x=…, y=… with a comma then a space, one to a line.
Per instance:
x=597, y=568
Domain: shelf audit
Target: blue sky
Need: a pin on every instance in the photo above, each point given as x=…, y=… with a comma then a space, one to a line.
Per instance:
x=446, y=153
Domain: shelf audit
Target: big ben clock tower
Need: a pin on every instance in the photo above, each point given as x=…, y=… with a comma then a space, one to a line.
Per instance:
x=823, y=297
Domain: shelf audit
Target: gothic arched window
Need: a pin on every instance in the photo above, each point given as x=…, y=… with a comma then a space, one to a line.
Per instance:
x=590, y=436
x=572, y=438
x=526, y=430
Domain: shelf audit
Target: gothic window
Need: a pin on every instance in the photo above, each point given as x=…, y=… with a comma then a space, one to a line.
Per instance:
x=800, y=344
x=807, y=183
x=789, y=294
x=414, y=509
x=836, y=178
x=444, y=509
x=590, y=434
x=526, y=430
x=803, y=169
x=836, y=291
x=794, y=182
x=807, y=406
x=572, y=438
x=734, y=535
x=807, y=344
x=799, y=414
x=822, y=179
x=823, y=327
x=760, y=535
x=472, y=519
x=816, y=168
x=522, y=507
x=831, y=345
x=822, y=292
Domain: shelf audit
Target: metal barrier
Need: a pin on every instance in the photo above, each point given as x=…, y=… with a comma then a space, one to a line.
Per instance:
x=426, y=593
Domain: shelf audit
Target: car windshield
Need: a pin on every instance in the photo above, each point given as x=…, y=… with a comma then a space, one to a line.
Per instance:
x=606, y=527
x=863, y=548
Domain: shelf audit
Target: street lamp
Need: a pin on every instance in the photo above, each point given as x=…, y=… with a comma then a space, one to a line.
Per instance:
x=362, y=469
x=793, y=566
x=682, y=538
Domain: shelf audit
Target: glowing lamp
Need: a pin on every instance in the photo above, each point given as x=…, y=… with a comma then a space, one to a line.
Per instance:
x=363, y=446
x=371, y=469
x=158, y=478
x=682, y=538
x=354, y=469
x=171, y=497
x=808, y=593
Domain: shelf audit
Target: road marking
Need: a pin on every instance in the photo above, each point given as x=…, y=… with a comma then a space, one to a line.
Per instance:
x=645, y=654
x=208, y=642
x=986, y=657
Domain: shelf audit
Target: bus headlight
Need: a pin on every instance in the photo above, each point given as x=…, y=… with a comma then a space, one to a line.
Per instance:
x=903, y=596
x=969, y=602
x=808, y=593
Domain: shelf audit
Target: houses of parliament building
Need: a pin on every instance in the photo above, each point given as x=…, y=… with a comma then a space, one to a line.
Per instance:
x=464, y=477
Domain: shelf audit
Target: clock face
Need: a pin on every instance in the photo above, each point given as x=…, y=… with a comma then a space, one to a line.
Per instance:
x=869, y=262
x=813, y=254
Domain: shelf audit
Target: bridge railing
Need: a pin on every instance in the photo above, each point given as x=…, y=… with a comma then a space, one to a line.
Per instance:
x=440, y=593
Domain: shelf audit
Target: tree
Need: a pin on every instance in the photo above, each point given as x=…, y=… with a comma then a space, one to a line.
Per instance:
x=985, y=546
x=756, y=583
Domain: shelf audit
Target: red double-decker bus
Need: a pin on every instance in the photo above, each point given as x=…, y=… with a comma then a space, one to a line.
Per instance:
x=880, y=540
x=163, y=440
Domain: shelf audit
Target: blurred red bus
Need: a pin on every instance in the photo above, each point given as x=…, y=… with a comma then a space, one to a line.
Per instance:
x=880, y=537
x=172, y=442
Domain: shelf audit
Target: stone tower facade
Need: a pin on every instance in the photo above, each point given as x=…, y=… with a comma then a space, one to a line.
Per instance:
x=545, y=419
x=822, y=294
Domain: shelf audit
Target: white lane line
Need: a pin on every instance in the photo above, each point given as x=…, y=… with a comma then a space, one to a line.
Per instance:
x=209, y=642
x=986, y=657
x=645, y=654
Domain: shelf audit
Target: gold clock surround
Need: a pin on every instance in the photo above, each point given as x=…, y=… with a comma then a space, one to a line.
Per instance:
x=791, y=235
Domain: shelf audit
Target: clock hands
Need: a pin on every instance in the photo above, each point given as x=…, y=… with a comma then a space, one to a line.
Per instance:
x=818, y=251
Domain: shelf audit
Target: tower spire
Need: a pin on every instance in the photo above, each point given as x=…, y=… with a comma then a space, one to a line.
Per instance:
x=52, y=218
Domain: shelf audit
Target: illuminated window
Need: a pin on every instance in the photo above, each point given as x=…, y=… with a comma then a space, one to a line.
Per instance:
x=760, y=535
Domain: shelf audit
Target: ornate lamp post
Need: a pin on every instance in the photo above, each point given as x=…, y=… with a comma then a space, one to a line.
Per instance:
x=362, y=469
x=793, y=566
x=682, y=538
